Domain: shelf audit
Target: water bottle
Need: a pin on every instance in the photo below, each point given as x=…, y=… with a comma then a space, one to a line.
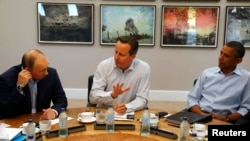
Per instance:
x=30, y=131
x=110, y=125
x=63, y=126
x=184, y=127
x=145, y=122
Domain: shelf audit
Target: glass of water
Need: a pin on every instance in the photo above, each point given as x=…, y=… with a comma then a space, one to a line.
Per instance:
x=44, y=125
x=100, y=115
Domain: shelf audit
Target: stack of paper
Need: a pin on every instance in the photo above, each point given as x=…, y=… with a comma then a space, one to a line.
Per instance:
x=12, y=132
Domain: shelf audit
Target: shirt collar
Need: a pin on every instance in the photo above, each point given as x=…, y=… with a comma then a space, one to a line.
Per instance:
x=236, y=71
x=131, y=67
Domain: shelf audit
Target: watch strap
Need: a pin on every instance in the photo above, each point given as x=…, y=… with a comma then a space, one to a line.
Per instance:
x=19, y=88
x=227, y=118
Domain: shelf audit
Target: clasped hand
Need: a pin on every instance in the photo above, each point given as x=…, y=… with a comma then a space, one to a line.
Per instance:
x=49, y=113
x=120, y=108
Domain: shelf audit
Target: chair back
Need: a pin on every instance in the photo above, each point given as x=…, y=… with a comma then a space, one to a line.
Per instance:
x=90, y=82
x=195, y=81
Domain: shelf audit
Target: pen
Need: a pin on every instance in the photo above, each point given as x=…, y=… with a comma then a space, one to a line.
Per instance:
x=175, y=125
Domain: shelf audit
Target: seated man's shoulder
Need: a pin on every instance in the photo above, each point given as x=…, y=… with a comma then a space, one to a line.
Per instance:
x=244, y=71
x=211, y=69
x=143, y=63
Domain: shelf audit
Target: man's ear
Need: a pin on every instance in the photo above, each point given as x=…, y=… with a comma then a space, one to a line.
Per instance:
x=133, y=55
x=239, y=60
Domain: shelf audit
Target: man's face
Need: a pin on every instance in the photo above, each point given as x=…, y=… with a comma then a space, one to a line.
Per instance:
x=228, y=59
x=40, y=69
x=122, y=57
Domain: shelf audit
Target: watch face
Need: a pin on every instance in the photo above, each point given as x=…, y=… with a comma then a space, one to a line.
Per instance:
x=19, y=87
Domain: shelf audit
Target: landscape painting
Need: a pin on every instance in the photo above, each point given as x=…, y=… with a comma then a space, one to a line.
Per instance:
x=65, y=23
x=238, y=25
x=127, y=20
x=186, y=26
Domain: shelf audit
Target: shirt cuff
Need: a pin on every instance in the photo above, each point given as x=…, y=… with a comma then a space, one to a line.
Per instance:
x=55, y=112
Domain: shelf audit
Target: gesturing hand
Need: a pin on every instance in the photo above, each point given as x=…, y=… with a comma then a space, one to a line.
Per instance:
x=118, y=90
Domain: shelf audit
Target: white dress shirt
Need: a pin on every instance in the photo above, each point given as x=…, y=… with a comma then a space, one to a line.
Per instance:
x=137, y=77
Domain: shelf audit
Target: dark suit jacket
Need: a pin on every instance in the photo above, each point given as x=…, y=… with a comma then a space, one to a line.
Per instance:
x=12, y=103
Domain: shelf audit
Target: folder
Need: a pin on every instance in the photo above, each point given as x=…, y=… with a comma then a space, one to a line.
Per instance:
x=175, y=119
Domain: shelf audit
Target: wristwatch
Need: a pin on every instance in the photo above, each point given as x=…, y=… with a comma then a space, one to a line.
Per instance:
x=19, y=88
x=227, y=118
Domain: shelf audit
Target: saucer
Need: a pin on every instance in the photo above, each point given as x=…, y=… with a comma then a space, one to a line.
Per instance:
x=87, y=121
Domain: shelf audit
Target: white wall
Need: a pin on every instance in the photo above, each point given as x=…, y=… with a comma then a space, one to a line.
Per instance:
x=173, y=69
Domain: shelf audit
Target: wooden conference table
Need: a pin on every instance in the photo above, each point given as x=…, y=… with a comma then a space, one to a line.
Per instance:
x=101, y=135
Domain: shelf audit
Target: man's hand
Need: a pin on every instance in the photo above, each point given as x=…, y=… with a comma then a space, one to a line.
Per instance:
x=120, y=108
x=49, y=113
x=196, y=109
x=23, y=77
x=118, y=90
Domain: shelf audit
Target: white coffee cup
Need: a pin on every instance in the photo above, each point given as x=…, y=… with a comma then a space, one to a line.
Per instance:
x=85, y=116
x=200, y=130
x=24, y=125
x=154, y=121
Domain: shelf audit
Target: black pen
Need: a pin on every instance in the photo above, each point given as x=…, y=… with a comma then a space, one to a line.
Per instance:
x=175, y=125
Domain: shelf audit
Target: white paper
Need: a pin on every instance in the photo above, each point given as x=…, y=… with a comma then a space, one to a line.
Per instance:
x=55, y=121
x=4, y=125
x=12, y=132
x=152, y=116
x=124, y=116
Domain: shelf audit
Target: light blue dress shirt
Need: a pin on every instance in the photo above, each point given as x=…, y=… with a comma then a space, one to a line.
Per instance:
x=33, y=94
x=221, y=94
x=137, y=77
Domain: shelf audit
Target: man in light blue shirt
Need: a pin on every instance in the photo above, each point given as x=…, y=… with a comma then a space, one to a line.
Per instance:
x=223, y=91
x=122, y=80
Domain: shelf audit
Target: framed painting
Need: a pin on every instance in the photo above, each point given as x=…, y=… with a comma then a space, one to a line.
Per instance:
x=189, y=26
x=237, y=0
x=128, y=0
x=238, y=24
x=137, y=21
x=70, y=23
x=192, y=0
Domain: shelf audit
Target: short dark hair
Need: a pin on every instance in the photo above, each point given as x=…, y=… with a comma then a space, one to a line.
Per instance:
x=28, y=59
x=238, y=48
x=131, y=41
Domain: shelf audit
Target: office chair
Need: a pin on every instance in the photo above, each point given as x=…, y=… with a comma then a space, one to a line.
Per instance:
x=195, y=81
x=90, y=82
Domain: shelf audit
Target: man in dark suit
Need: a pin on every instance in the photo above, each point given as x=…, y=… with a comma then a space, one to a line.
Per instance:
x=31, y=87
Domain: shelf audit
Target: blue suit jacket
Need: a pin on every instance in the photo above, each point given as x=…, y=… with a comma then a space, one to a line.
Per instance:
x=12, y=103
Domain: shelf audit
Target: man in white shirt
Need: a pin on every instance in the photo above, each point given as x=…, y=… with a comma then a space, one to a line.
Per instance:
x=122, y=80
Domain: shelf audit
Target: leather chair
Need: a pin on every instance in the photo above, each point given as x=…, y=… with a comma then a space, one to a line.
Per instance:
x=90, y=82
